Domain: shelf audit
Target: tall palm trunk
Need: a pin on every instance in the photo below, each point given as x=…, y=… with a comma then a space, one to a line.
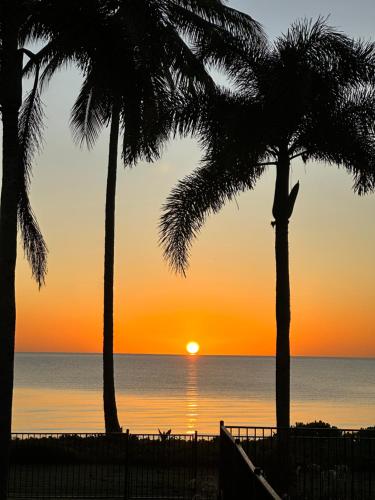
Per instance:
x=109, y=397
x=10, y=97
x=281, y=214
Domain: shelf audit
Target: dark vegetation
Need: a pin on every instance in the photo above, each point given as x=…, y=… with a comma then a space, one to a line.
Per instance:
x=320, y=460
x=114, y=466
x=323, y=462
x=145, y=449
x=71, y=448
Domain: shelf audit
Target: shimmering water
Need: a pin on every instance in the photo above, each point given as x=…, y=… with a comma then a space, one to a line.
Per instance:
x=62, y=392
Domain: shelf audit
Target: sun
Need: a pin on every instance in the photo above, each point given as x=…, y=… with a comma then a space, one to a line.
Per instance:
x=192, y=347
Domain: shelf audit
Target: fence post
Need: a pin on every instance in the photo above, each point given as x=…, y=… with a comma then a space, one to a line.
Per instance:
x=221, y=463
x=126, y=466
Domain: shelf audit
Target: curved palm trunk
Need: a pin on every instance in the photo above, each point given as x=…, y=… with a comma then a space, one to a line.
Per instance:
x=281, y=214
x=10, y=97
x=109, y=397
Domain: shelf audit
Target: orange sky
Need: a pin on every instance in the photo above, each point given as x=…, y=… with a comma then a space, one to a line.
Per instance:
x=226, y=303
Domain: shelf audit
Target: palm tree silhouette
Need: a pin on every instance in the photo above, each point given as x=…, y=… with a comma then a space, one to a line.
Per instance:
x=22, y=136
x=133, y=64
x=56, y=25
x=311, y=95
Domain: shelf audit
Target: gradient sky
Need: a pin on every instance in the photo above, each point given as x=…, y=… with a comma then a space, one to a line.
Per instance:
x=226, y=303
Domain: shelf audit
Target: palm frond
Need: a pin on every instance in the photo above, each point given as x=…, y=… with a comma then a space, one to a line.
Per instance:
x=240, y=59
x=328, y=51
x=220, y=121
x=203, y=192
x=232, y=48
x=344, y=134
x=31, y=126
x=33, y=242
x=234, y=21
x=146, y=122
x=188, y=71
x=90, y=113
x=56, y=62
x=235, y=150
x=31, y=138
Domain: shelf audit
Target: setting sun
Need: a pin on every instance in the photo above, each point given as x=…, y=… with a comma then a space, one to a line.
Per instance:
x=192, y=347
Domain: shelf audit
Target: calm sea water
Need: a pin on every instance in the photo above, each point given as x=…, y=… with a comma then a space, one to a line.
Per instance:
x=62, y=392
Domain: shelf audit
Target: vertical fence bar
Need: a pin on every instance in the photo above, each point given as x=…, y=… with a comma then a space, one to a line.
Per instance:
x=194, y=447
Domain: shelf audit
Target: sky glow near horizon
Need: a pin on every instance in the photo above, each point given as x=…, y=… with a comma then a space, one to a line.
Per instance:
x=226, y=302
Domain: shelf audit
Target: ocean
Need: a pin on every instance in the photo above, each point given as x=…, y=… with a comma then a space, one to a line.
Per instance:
x=62, y=392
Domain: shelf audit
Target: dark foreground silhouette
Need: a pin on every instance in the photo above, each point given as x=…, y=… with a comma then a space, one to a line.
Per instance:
x=322, y=462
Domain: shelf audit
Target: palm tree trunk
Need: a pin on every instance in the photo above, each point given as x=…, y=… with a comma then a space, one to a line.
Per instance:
x=109, y=397
x=281, y=214
x=10, y=99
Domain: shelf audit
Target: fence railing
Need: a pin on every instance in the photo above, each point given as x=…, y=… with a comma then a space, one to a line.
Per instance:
x=310, y=463
x=240, y=479
x=127, y=466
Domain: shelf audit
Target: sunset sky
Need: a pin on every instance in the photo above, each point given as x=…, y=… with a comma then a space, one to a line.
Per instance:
x=226, y=303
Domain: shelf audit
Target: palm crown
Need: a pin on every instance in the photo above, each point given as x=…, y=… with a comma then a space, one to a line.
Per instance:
x=137, y=52
x=310, y=94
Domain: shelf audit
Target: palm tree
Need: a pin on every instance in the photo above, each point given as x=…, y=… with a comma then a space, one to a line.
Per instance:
x=149, y=39
x=22, y=131
x=311, y=94
x=134, y=63
x=23, y=21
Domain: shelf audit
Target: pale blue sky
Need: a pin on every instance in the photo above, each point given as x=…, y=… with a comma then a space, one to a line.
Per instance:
x=355, y=18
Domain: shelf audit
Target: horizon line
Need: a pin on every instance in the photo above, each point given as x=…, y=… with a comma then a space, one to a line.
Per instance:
x=96, y=353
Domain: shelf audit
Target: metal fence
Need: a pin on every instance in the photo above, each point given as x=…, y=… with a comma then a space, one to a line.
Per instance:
x=239, y=478
x=124, y=465
x=305, y=463
x=310, y=463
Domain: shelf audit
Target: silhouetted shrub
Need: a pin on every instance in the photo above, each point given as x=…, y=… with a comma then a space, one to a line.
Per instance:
x=368, y=432
x=318, y=428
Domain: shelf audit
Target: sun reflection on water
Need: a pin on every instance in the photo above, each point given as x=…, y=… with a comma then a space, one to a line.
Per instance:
x=192, y=395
